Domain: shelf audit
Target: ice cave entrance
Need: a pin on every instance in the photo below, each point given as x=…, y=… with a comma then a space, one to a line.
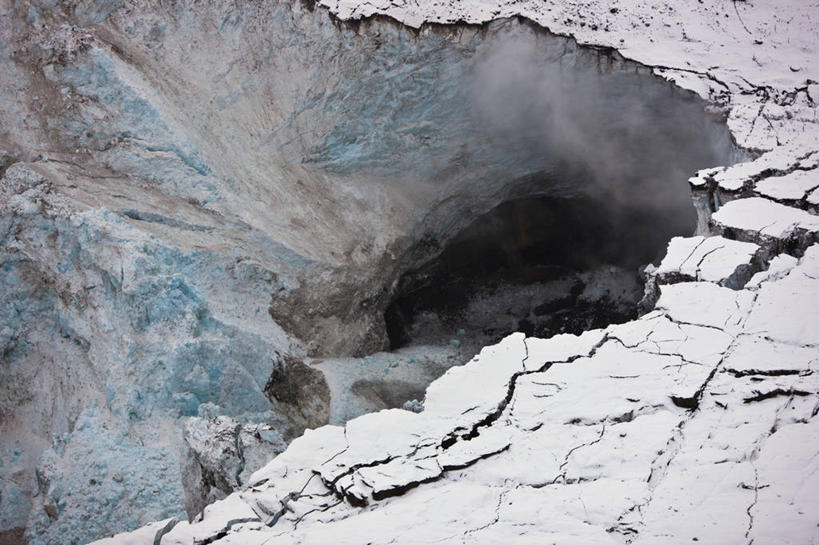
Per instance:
x=504, y=179
x=471, y=181
x=538, y=264
x=572, y=179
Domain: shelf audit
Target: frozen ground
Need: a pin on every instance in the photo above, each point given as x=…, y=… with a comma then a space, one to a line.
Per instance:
x=695, y=423
x=164, y=209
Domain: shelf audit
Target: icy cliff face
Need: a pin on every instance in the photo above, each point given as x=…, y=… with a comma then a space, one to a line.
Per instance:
x=696, y=422
x=195, y=198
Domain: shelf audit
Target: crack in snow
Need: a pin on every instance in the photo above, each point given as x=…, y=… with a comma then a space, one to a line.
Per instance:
x=751, y=507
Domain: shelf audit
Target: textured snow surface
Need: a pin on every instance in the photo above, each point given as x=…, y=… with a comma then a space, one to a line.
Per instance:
x=696, y=422
x=713, y=259
x=757, y=216
x=180, y=225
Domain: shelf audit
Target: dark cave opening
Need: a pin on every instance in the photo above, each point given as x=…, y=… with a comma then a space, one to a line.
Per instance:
x=480, y=182
x=542, y=265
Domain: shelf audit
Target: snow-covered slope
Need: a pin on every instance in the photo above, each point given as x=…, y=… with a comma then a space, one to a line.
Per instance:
x=165, y=193
x=179, y=229
x=697, y=422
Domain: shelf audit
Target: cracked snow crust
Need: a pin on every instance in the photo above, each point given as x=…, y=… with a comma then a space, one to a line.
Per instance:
x=696, y=422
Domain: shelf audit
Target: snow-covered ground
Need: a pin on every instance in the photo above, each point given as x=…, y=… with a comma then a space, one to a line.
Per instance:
x=696, y=423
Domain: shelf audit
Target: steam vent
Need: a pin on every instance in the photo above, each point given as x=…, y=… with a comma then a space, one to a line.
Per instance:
x=347, y=272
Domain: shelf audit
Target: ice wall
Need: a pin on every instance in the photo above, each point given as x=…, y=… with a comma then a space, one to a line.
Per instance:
x=193, y=194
